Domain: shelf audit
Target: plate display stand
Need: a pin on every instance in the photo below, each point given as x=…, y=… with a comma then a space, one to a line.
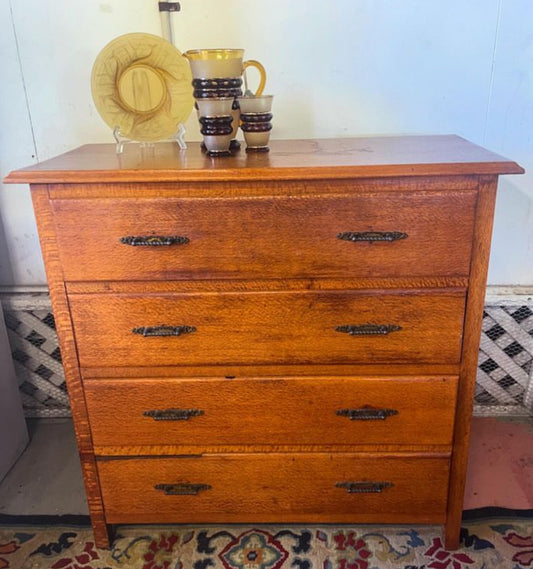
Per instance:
x=121, y=140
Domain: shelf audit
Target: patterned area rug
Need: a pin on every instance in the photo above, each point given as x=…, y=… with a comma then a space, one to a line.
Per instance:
x=495, y=543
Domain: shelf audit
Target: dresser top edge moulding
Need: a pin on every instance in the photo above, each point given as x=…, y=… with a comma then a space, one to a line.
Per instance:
x=366, y=157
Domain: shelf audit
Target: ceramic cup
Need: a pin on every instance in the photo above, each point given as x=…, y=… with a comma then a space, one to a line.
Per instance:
x=214, y=106
x=255, y=121
x=229, y=87
x=215, y=117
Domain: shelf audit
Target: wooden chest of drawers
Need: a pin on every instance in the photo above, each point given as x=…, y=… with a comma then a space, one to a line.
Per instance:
x=285, y=337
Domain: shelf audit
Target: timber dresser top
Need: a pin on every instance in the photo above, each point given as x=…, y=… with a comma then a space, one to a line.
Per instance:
x=287, y=160
x=288, y=337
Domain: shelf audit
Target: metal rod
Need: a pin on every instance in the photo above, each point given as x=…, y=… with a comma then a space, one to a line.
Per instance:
x=165, y=10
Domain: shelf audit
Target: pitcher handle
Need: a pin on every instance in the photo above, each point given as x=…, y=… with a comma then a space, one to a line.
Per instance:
x=262, y=73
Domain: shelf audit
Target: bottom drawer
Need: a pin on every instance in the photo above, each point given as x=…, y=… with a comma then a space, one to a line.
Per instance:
x=318, y=487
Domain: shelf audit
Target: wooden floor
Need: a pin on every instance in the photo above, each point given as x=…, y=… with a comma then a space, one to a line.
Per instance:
x=47, y=478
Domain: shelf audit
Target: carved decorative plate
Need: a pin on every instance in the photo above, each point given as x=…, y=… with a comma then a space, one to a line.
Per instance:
x=142, y=84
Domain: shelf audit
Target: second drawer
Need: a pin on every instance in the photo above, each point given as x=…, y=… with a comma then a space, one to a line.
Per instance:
x=272, y=411
x=329, y=327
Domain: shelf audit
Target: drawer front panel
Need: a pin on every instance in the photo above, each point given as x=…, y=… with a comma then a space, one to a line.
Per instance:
x=255, y=487
x=330, y=327
x=426, y=234
x=343, y=411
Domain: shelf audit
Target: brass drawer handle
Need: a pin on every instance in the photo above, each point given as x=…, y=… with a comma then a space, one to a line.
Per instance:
x=163, y=330
x=182, y=489
x=364, y=487
x=154, y=240
x=366, y=414
x=173, y=414
x=368, y=329
x=371, y=236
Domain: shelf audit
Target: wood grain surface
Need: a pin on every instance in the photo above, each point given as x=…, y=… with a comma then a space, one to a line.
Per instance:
x=288, y=159
x=70, y=364
x=268, y=328
x=469, y=363
x=264, y=281
x=282, y=237
x=276, y=487
x=272, y=411
x=180, y=450
x=258, y=285
x=178, y=188
x=280, y=370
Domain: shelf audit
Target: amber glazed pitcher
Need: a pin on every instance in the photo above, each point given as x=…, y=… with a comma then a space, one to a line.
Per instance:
x=222, y=63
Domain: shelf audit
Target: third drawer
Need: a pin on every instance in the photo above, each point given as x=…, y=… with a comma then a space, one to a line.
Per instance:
x=272, y=411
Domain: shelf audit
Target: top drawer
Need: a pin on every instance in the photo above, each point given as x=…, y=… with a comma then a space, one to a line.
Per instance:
x=267, y=237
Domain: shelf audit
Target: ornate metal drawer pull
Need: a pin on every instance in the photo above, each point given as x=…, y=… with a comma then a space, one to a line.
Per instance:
x=154, y=240
x=173, y=414
x=182, y=489
x=368, y=329
x=366, y=414
x=371, y=236
x=163, y=330
x=364, y=487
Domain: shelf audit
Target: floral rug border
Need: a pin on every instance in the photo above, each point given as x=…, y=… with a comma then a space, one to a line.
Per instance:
x=500, y=542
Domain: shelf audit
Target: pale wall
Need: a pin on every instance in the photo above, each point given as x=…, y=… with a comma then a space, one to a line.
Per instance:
x=342, y=68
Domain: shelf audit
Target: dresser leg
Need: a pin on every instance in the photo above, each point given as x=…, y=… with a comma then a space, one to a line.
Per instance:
x=103, y=535
x=101, y=530
x=452, y=532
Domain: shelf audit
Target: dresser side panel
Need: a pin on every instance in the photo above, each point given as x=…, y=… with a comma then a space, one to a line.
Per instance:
x=69, y=357
x=471, y=338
